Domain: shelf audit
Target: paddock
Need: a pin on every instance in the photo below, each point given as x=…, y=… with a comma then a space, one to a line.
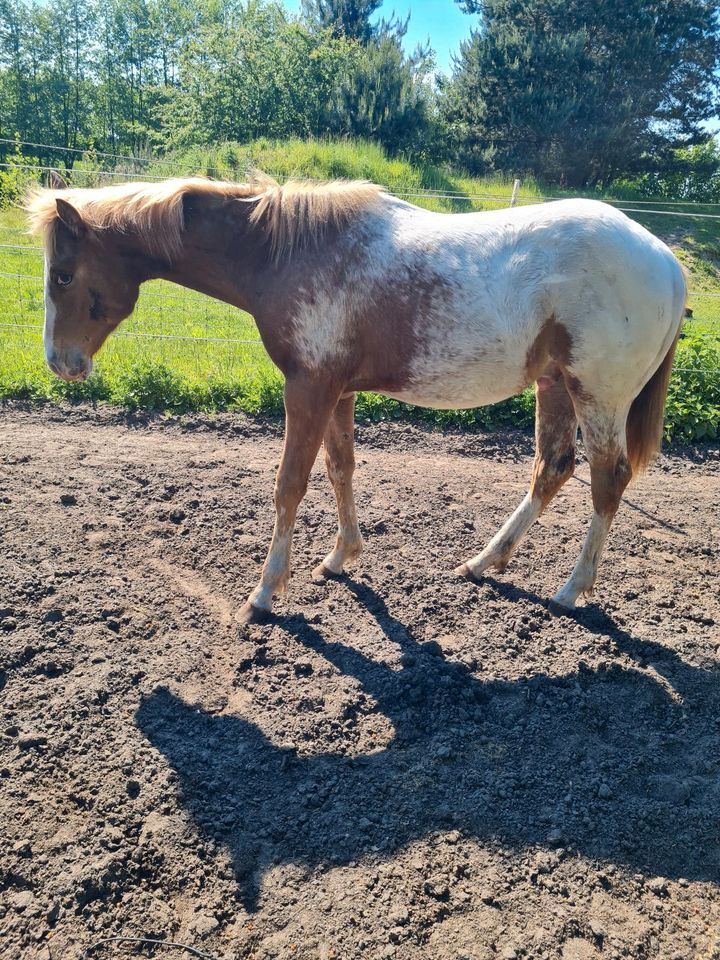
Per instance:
x=400, y=763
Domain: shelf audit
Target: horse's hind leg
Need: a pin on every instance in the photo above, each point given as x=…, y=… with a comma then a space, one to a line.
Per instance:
x=555, y=436
x=307, y=411
x=340, y=463
x=610, y=473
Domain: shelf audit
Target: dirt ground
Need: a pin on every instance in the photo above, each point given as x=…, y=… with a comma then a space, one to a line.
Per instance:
x=400, y=764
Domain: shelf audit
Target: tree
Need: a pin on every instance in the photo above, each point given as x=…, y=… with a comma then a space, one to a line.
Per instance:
x=15, y=111
x=695, y=176
x=123, y=76
x=386, y=96
x=344, y=18
x=262, y=74
x=46, y=63
x=381, y=94
x=581, y=91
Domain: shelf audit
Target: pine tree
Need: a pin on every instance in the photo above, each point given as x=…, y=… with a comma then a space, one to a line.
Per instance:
x=381, y=94
x=582, y=91
x=344, y=18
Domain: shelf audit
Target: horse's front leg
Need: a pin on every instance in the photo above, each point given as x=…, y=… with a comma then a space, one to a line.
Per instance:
x=308, y=406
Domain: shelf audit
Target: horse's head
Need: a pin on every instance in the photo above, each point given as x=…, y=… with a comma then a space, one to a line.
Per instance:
x=89, y=288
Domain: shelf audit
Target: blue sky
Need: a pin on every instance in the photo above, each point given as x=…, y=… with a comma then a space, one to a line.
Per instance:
x=440, y=21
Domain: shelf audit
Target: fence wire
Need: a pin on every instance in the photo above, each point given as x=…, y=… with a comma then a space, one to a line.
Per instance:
x=208, y=319
x=418, y=194
x=124, y=158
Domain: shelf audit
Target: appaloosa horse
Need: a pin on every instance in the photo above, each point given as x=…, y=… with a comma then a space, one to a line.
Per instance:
x=353, y=289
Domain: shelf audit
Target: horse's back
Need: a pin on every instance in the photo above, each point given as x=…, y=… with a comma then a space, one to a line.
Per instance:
x=482, y=288
x=451, y=310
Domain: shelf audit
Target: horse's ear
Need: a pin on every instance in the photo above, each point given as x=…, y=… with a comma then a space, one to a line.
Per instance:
x=70, y=217
x=55, y=181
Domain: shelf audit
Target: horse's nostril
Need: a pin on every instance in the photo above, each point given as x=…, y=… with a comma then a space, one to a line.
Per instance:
x=78, y=371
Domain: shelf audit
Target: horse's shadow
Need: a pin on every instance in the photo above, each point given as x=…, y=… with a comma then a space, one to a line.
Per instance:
x=618, y=763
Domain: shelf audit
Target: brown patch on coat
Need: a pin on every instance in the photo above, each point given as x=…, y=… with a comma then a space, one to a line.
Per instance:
x=383, y=336
x=552, y=345
x=555, y=439
x=386, y=351
x=609, y=476
x=577, y=391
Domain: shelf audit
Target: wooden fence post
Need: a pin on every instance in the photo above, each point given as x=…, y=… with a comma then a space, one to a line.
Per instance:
x=515, y=191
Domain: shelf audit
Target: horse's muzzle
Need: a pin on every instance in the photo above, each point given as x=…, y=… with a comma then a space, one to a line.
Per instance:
x=78, y=369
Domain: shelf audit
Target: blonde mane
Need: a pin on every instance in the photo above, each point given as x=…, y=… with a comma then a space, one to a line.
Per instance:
x=291, y=215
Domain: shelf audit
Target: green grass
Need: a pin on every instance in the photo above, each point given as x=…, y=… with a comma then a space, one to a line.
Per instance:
x=325, y=160
x=203, y=372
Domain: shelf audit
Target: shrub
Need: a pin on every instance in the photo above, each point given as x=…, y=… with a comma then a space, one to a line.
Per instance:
x=693, y=407
x=17, y=176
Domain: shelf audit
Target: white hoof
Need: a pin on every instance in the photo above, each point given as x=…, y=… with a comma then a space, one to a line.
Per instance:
x=474, y=569
x=565, y=598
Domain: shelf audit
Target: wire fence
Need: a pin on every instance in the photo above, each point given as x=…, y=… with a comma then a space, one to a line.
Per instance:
x=187, y=318
x=419, y=194
x=177, y=170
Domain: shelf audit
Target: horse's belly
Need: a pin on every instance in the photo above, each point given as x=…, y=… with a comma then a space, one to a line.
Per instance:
x=463, y=385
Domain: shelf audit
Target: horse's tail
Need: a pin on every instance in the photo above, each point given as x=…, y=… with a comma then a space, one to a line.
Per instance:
x=644, y=427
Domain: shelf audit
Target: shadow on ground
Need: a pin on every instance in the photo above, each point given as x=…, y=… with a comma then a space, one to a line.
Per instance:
x=618, y=764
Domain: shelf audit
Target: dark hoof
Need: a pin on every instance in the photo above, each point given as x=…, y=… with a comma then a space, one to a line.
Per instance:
x=321, y=572
x=560, y=610
x=249, y=613
x=466, y=573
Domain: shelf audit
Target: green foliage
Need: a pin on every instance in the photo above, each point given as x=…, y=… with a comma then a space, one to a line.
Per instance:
x=16, y=177
x=693, y=407
x=344, y=18
x=574, y=92
x=691, y=174
x=262, y=75
x=517, y=412
x=345, y=159
x=581, y=93
x=386, y=97
x=138, y=75
x=269, y=75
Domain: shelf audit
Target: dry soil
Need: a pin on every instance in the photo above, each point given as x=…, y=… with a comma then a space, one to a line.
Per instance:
x=401, y=763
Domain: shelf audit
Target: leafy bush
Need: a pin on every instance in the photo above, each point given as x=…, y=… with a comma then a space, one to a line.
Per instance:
x=694, y=175
x=518, y=412
x=693, y=407
x=16, y=177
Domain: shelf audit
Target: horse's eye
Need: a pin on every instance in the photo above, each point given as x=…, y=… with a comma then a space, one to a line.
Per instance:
x=63, y=279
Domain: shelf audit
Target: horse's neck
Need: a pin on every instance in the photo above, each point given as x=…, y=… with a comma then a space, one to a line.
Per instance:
x=221, y=257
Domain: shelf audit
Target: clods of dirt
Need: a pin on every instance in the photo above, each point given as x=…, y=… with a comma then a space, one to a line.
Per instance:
x=399, y=763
